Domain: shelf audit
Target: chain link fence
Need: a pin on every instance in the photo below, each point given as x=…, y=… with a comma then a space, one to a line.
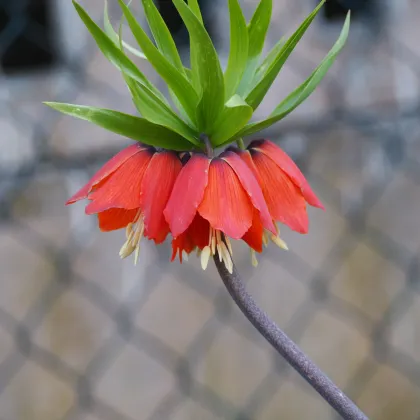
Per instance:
x=86, y=336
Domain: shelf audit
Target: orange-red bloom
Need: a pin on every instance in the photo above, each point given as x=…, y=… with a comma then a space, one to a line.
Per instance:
x=240, y=194
x=131, y=190
x=285, y=189
x=214, y=199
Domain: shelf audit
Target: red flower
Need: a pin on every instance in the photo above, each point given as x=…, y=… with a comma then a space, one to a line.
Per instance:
x=131, y=190
x=212, y=200
x=285, y=189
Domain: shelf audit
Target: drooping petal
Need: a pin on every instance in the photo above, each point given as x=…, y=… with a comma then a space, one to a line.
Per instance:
x=284, y=199
x=199, y=231
x=197, y=235
x=156, y=187
x=250, y=185
x=181, y=243
x=225, y=204
x=187, y=194
x=254, y=236
x=114, y=219
x=110, y=167
x=287, y=165
x=122, y=189
x=245, y=155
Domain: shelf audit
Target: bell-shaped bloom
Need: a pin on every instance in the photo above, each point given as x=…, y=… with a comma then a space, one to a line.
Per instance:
x=131, y=191
x=285, y=189
x=214, y=200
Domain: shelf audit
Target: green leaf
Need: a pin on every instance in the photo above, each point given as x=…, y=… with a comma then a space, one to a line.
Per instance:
x=157, y=113
x=109, y=30
x=113, y=53
x=238, y=55
x=176, y=80
x=257, y=94
x=305, y=89
x=235, y=115
x=206, y=67
x=135, y=128
x=195, y=8
x=267, y=62
x=195, y=80
x=162, y=35
x=257, y=31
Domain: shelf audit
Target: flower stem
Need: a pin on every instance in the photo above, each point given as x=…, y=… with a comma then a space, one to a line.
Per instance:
x=286, y=347
x=209, y=149
x=240, y=143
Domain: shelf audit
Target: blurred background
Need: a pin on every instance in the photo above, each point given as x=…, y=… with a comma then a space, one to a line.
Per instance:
x=86, y=336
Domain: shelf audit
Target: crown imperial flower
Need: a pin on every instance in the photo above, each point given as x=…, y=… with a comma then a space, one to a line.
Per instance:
x=170, y=183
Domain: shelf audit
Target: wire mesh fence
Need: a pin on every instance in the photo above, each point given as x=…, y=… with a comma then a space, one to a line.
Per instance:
x=86, y=336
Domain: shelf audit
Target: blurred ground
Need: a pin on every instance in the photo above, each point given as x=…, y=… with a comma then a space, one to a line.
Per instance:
x=86, y=336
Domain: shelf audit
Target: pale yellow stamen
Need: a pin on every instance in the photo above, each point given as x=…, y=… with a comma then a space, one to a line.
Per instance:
x=205, y=256
x=185, y=255
x=133, y=232
x=279, y=242
x=226, y=257
x=220, y=245
x=229, y=245
x=265, y=239
x=254, y=260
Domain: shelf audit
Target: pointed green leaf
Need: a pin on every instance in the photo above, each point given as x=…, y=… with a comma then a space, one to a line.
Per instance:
x=114, y=54
x=176, y=80
x=257, y=94
x=267, y=62
x=195, y=80
x=304, y=90
x=127, y=125
x=238, y=55
x=195, y=8
x=257, y=31
x=162, y=35
x=206, y=67
x=113, y=36
x=152, y=107
x=235, y=115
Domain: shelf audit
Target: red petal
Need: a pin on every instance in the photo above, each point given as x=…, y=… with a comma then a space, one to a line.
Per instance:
x=122, y=189
x=199, y=231
x=197, y=235
x=114, y=219
x=286, y=163
x=225, y=204
x=187, y=194
x=250, y=185
x=245, y=155
x=255, y=233
x=284, y=199
x=156, y=187
x=111, y=166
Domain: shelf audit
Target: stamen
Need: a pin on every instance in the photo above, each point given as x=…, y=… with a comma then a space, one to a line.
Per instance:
x=279, y=242
x=226, y=257
x=229, y=245
x=213, y=245
x=254, y=260
x=205, y=256
x=265, y=239
x=133, y=232
x=136, y=254
x=219, y=251
x=184, y=255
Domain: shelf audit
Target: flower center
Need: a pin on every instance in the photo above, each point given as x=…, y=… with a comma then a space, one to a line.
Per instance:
x=221, y=245
x=134, y=232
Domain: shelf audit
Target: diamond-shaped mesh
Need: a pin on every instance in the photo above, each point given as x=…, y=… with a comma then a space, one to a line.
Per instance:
x=86, y=336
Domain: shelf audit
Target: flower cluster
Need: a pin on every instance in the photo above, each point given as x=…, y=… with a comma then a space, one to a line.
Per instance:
x=200, y=201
